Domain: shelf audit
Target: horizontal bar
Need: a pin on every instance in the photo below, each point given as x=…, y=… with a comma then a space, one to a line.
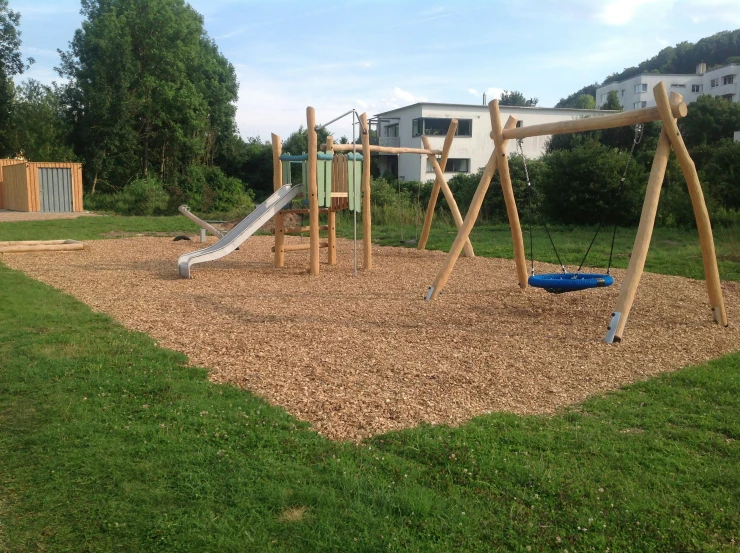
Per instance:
x=300, y=247
x=386, y=149
x=301, y=230
x=622, y=119
x=321, y=210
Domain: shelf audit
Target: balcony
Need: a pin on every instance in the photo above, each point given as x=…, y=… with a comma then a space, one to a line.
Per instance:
x=390, y=141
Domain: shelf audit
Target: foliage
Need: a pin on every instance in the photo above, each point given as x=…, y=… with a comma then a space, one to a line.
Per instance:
x=572, y=101
x=297, y=142
x=207, y=189
x=584, y=101
x=710, y=120
x=250, y=161
x=516, y=98
x=719, y=171
x=149, y=91
x=37, y=128
x=612, y=102
x=583, y=185
x=683, y=58
x=144, y=197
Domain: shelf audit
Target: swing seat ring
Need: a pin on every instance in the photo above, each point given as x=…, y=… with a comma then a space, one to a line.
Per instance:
x=558, y=283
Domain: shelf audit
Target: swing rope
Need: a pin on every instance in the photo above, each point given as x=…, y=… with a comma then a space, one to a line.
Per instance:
x=530, y=213
x=635, y=142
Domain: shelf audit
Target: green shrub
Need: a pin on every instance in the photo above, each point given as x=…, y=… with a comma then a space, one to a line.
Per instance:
x=208, y=189
x=140, y=197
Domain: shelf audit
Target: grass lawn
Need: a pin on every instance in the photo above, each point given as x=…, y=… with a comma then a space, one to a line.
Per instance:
x=109, y=443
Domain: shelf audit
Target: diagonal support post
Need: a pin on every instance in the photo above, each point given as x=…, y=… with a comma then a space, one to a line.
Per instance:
x=451, y=203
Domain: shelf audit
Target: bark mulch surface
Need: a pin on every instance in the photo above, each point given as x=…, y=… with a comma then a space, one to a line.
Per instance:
x=361, y=356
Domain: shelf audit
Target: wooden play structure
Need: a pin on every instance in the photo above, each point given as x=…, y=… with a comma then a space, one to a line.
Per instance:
x=668, y=110
x=331, y=182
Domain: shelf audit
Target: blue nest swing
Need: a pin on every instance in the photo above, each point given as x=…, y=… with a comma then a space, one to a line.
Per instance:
x=558, y=283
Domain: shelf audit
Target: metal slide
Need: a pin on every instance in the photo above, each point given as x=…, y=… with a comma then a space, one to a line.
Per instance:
x=246, y=228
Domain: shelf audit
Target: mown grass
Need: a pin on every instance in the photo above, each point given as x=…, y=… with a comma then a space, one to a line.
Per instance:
x=110, y=443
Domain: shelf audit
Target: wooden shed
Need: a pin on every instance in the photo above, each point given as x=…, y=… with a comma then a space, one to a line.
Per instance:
x=44, y=187
x=3, y=163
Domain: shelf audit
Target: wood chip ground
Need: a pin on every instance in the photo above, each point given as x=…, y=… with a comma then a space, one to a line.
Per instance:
x=361, y=356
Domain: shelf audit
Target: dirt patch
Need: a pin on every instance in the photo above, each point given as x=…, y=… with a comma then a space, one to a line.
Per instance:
x=360, y=356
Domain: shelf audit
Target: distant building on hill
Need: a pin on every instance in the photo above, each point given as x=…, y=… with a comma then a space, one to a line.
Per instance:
x=404, y=127
x=637, y=92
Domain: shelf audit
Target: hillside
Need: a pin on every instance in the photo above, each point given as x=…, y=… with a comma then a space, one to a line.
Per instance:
x=718, y=49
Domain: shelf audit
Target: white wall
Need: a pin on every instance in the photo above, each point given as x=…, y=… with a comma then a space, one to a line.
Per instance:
x=737, y=136
x=477, y=148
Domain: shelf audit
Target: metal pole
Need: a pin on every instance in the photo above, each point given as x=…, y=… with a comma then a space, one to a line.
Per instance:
x=335, y=120
x=354, y=182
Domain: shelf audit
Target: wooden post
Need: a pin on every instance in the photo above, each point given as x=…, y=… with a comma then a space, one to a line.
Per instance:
x=711, y=271
x=312, y=191
x=520, y=257
x=367, y=243
x=642, y=240
x=462, y=235
x=468, y=247
x=435, y=189
x=277, y=183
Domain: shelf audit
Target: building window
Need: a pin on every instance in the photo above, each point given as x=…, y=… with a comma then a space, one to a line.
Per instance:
x=520, y=123
x=728, y=97
x=638, y=105
x=622, y=93
x=603, y=98
x=392, y=130
x=431, y=126
x=640, y=88
x=729, y=79
x=696, y=87
x=678, y=86
x=454, y=165
x=714, y=83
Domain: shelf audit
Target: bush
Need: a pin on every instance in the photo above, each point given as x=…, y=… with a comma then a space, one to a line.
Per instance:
x=208, y=189
x=140, y=197
x=581, y=186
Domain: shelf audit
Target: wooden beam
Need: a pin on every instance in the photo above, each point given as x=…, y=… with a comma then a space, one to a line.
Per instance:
x=332, y=243
x=636, y=265
x=520, y=257
x=301, y=230
x=43, y=248
x=622, y=119
x=435, y=189
x=464, y=233
x=301, y=247
x=367, y=243
x=451, y=203
x=703, y=224
x=313, y=191
x=277, y=183
x=385, y=149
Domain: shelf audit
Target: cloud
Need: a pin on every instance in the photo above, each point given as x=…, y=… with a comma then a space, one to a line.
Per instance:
x=707, y=10
x=473, y=91
x=404, y=96
x=493, y=92
x=621, y=12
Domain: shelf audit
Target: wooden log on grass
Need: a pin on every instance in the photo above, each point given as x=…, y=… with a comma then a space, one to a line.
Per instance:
x=451, y=203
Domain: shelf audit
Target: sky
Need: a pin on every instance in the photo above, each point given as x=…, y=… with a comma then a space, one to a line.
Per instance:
x=377, y=55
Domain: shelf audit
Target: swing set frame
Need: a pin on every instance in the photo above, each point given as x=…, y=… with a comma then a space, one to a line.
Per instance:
x=668, y=109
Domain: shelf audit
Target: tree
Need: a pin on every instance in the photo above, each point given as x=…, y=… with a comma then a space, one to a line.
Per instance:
x=516, y=98
x=710, y=120
x=612, y=101
x=149, y=91
x=297, y=142
x=584, y=101
x=37, y=124
x=11, y=63
x=571, y=101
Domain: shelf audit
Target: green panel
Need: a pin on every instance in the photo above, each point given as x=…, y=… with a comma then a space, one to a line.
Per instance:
x=304, y=175
x=286, y=172
x=355, y=187
x=320, y=178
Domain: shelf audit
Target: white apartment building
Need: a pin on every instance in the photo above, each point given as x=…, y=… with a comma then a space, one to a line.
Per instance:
x=637, y=92
x=472, y=146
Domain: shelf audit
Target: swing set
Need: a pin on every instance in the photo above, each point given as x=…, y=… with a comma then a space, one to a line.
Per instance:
x=668, y=110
